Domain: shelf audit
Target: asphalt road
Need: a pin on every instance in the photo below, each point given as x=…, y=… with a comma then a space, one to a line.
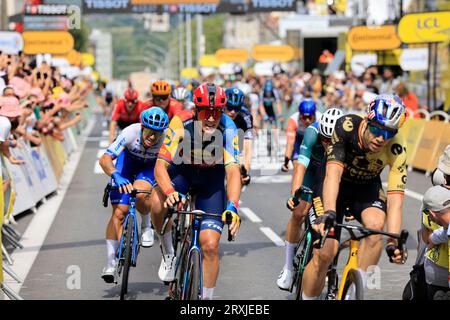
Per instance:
x=249, y=267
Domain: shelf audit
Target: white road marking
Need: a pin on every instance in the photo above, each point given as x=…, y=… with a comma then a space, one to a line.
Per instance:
x=272, y=179
x=104, y=144
x=250, y=215
x=37, y=230
x=272, y=236
x=415, y=195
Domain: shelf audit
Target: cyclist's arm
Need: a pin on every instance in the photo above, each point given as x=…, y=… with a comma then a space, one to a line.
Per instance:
x=290, y=137
x=335, y=164
x=233, y=182
x=106, y=162
x=231, y=162
x=262, y=110
x=278, y=102
x=247, y=154
x=309, y=140
x=394, y=212
x=331, y=185
x=396, y=185
x=166, y=154
x=248, y=137
x=112, y=130
x=162, y=176
x=114, y=150
x=297, y=179
x=114, y=118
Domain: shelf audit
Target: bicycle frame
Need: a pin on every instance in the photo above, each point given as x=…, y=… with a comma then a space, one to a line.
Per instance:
x=352, y=263
x=194, y=245
x=132, y=212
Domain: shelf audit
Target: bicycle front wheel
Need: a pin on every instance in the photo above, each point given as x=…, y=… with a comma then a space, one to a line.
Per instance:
x=304, y=258
x=193, y=286
x=128, y=233
x=353, y=282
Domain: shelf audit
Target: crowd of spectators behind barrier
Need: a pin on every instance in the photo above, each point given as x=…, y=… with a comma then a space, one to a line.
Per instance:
x=340, y=89
x=36, y=101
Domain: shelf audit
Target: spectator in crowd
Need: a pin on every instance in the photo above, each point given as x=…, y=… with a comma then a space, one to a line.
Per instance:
x=9, y=120
x=389, y=82
x=369, y=82
x=409, y=99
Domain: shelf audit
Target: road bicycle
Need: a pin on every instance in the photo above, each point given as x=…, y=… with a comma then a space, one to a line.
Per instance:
x=188, y=283
x=129, y=243
x=350, y=276
x=304, y=248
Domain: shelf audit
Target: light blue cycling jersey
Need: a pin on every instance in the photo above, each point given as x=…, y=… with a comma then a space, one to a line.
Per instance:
x=130, y=140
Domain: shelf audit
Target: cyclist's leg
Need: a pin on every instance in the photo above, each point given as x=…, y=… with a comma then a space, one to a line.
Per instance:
x=144, y=181
x=293, y=229
x=119, y=202
x=373, y=216
x=316, y=270
x=211, y=198
x=181, y=184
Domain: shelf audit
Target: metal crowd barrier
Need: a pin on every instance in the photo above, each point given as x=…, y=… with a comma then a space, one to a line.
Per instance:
x=29, y=186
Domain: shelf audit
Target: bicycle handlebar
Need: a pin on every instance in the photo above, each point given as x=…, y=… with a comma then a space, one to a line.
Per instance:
x=197, y=214
x=366, y=232
x=109, y=188
x=299, y=192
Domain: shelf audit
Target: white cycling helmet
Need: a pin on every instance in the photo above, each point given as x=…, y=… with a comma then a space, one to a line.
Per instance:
x=328, y=121
x=180, y=94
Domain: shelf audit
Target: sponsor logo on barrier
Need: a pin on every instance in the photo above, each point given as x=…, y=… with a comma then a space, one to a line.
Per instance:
x=38, y=165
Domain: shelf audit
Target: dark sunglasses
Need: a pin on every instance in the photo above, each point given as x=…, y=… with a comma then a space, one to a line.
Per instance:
x=233, y=108
x=150, y=132
x=305, y=118
x=204, y=113
x=384, y=132
x=161, y=98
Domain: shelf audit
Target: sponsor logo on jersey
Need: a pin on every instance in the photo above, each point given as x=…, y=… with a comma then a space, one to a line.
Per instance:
x=348, y=124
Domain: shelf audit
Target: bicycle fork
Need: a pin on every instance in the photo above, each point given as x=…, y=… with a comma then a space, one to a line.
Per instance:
x=131, y=212
x=352, y=263
x=194, y=246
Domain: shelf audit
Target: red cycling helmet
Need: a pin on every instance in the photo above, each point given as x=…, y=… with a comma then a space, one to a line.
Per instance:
x=210, y=95
x=130, y=94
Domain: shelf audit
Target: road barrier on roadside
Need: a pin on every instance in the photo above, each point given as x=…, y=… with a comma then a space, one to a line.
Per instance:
x=25, y=186
x=426, y=139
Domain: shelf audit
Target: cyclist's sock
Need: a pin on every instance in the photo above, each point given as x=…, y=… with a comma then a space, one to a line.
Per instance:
x=111, y=249
x=290, y=248
x=166, y=242
x=208, y=293
x=146, y=221
x=304, y=297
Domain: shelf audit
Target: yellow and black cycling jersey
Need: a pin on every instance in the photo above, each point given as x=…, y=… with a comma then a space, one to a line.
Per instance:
x=185, y=143
x=362, y=166
x=439, y=254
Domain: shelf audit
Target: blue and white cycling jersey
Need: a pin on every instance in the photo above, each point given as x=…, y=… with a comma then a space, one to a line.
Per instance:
x=134, y=161
x=130, y=141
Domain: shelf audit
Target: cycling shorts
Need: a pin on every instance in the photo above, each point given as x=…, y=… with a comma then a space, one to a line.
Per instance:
x=270, y=112
x=132, y=170
x=210, y=193
x=352, y=198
